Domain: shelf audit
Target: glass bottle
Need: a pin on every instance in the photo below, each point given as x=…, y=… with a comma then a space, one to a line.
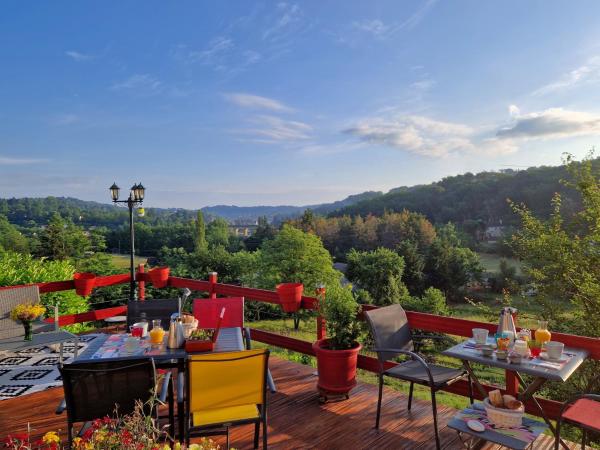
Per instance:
x=157, y=333
x=542, y=335
x=143, y=322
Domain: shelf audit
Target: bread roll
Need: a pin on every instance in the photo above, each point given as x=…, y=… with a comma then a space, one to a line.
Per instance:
x=507, y=398
x=496, y=398
x=514, y=404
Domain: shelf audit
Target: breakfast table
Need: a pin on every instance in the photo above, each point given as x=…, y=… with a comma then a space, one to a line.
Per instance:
x=540, y=370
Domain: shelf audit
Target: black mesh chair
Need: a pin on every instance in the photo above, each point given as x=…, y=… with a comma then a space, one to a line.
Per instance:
x=98, y=389
x=152, y=309
x=393, y=337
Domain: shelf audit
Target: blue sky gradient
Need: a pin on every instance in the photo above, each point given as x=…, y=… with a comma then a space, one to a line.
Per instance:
x=248, y=103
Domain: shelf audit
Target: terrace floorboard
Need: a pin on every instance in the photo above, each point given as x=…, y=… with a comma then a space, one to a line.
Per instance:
x=296, y=419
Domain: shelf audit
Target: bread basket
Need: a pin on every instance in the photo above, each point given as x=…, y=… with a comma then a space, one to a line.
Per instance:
x=504, y=418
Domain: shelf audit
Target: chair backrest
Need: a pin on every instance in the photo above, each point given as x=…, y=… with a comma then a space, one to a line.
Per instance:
x=207, y=311
x=93, y=390
x=9, y=298
x=390, y=329
x=219, y=380
x=154, y=309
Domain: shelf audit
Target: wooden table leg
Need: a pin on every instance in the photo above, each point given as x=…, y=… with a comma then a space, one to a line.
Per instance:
x=474, y=378
x=527, y=395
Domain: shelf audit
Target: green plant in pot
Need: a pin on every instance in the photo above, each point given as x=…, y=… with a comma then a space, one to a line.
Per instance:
x=337, y=354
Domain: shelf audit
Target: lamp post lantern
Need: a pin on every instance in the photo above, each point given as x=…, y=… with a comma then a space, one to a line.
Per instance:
x=136, y=197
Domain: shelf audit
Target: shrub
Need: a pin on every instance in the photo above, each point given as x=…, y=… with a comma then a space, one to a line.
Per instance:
x=339, y=310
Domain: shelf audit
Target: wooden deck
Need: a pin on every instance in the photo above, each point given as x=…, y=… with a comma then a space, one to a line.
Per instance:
x=296, y=420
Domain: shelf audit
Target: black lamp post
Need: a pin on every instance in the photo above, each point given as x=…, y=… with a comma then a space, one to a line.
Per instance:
x=136, y=197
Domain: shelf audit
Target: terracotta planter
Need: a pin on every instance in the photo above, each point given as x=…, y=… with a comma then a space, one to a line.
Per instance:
x=159, y=277
x=290, y=295
x=337, y=368
x=84, y=283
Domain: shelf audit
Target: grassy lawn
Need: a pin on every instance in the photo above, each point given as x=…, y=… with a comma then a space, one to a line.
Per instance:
x=491, y=262
x=122, y=261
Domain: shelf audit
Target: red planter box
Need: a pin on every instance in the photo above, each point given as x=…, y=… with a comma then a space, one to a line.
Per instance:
x=192, y=345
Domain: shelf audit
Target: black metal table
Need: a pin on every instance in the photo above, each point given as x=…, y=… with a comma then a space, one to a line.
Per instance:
x=541, y=372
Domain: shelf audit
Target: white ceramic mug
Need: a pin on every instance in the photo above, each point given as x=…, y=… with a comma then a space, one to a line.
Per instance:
x=480, y=335
x=554, y=349
x=521, y=348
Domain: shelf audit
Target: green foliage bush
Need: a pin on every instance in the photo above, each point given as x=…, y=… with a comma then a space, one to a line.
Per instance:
x=19, y=268
x=339, y=309
x=432, y=301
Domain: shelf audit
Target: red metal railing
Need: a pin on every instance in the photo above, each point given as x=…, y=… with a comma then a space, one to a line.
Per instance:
x=422, y=321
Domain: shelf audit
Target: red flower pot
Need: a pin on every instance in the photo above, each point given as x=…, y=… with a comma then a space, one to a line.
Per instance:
x=84, y=283
x=159, y=276
x=290, y=295
x=337, y=368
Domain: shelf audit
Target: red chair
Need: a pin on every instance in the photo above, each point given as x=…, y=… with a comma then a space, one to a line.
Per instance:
x=207, y=310
x=582, y=411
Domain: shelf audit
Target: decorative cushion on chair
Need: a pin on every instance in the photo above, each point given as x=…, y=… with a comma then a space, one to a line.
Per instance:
x=585, y=412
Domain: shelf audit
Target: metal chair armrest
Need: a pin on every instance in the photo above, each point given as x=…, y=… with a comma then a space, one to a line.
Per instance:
x=164, y=390
x=61, y=407
x=413, y=355
x=247, y=338
x=180, y=388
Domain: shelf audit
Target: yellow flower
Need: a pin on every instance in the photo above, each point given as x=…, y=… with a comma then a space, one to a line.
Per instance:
x=27, y=311
x=51, y=438
x=166, y=447
x=77, y=442
x=177, y=446
x=194, y=447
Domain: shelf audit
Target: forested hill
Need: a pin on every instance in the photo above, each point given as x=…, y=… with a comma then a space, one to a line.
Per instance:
x=279, y=213
x=38, y=211
x=480, y=197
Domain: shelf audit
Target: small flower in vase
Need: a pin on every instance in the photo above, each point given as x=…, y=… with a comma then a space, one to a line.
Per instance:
x=27, y=313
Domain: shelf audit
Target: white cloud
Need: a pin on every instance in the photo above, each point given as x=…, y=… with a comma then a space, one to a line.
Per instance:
x=9, y=161
x=256, y=102
x=277, y=129
x=288, y=16
x=551, y=123
x=514, y=111
x=415, y=134
x=416, y=18
x=77, y=56
x=584, y=74
x=375, y=27
x=423, y=85
x=139, y=82
x=214, y=53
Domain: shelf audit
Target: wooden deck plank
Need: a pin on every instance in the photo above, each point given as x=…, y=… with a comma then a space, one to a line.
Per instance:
x=296, y=419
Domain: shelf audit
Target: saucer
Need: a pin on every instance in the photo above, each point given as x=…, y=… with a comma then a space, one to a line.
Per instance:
x=475, y=425
x=545, y=357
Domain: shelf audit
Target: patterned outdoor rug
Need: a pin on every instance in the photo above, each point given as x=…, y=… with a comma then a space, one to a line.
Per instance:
x=35, y=369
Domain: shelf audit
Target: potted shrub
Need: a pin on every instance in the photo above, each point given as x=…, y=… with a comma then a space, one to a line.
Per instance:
x=337, y=354
x=84, y=283
x=290, y=295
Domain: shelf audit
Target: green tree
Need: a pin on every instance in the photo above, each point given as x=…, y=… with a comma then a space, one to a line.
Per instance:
x=449, y=266
x=200, y=243
x=561, y=255
x=11, y=238
x=62, y=239
x=264, y=231
x=295, y=256
x=379, y=272
x=414, y=270
x=217, y=233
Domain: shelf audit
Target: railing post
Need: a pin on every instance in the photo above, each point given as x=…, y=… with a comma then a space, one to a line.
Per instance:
x=141, y=285
x=212, y=279
x=321, y=331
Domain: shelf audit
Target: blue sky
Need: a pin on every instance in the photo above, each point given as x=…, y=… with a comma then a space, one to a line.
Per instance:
x=248, y=103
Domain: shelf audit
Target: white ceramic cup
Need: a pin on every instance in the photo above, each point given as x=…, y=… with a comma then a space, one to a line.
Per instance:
x=521, y=348
x=554, y=349
x=480, y=335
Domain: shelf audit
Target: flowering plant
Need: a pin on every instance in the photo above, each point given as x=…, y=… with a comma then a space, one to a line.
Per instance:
x=27, y=312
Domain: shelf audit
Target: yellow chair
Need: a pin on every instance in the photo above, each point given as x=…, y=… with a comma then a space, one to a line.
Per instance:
x=226, y=389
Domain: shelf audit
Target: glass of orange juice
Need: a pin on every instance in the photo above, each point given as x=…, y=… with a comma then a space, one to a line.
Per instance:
x=157, y=333
x=542, y=335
